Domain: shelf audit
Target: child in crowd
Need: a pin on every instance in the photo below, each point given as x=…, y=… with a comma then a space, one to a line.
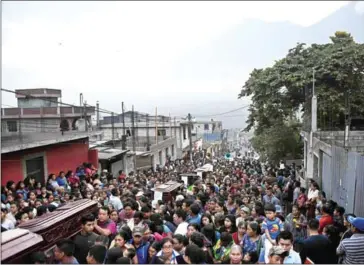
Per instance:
x=272, y=226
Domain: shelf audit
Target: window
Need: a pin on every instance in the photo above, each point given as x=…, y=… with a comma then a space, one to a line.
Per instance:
x=162, y=132
x=172, y=150
x=167, y=152
x=206, y=126
x=12, y=126
x=184, y=132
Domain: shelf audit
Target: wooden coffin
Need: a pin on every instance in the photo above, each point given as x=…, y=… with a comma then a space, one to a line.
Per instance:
x=64, y=222
x=18, y=244
x=167, y=190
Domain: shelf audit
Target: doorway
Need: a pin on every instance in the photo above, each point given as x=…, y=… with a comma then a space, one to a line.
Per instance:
x=34, y=167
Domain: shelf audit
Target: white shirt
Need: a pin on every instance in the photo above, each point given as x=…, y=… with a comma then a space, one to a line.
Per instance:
x=7, y=224
x=293, y=258
x=312, y=194
x=181, y=229
x=116, y=202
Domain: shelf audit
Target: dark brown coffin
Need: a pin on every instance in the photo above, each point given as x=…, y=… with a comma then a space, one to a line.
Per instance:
x=64, y=222
x=169, y=190
x=18, y=244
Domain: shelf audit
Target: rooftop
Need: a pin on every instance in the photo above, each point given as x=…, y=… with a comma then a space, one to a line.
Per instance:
x=15, y=142
x=38, y=92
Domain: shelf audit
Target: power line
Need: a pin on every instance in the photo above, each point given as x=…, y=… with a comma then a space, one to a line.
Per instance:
x=223, y=113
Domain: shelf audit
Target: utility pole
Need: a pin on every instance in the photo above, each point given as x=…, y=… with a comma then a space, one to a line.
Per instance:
x=133, y=135
x=133, y=128
x=97, y=114
x=190, y=134
x=81, y=103
x=156, y=126
x=112, y=129
x=175, y=127
x=136, y=128
x=61, y=116
x=123, y=116
x=85, y=115
x=170, y=126
x=148, y=139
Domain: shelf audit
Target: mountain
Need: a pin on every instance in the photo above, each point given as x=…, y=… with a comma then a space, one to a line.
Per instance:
x=257, y=44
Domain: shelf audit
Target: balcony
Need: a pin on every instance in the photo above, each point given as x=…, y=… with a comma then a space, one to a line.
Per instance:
x=46, y=112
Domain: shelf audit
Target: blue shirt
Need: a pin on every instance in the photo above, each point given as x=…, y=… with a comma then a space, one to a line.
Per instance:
x=273, y=226
x=61, y=181
x=194, y=220
x=142, y=252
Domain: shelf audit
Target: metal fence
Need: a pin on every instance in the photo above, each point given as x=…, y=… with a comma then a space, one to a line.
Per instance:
x=343, y=179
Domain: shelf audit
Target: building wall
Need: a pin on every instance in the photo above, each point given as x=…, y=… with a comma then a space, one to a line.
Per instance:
x=58, y=157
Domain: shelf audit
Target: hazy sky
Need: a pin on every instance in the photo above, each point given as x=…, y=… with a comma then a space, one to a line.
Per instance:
x=124, y=51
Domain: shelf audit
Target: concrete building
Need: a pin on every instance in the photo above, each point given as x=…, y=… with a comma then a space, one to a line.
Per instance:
x=161, y=136
x=39, y=154
x=39, y=111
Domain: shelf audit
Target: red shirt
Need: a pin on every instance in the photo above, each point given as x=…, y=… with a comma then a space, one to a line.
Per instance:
x=324, y=221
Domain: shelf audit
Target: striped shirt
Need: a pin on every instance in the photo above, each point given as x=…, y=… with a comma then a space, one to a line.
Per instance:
x=352, y=249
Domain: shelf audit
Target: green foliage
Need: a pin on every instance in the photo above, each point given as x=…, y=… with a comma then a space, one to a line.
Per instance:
x=278, y=92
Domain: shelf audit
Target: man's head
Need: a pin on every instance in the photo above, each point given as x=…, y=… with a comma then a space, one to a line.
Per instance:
x=357, y=224
x=104, y=214
x=96, y=255
x=64, y=249
x=186, y=204
x=179, y=216
x=178, y=242
x=277, y=255
x=88, y=222
x=313, y=226
x=285, y=240
x=194, y=209
x=138, y=233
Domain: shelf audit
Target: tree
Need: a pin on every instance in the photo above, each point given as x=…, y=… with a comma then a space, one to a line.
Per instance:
x=280, y=91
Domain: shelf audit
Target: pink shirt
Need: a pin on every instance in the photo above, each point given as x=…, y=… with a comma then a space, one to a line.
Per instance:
x=110, y=225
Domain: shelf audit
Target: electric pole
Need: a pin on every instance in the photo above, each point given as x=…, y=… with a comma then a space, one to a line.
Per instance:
x=112, y=129
x=97, y=115
x=190, y=134
x=123, y=118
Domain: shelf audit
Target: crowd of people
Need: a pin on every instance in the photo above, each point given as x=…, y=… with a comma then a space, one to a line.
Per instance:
x=242, y=212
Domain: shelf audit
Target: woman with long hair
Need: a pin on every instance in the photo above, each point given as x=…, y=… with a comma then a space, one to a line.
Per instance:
x=238, y=235
x=252, y=240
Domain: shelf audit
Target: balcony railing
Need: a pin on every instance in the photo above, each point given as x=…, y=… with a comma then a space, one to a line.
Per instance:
x=46, y=112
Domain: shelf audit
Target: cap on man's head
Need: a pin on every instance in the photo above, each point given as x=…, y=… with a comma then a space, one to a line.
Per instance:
x=138, y=231
x=357, y=222
x=245, y=209
x=180, y=198
x=277, y=251
x=139, y=194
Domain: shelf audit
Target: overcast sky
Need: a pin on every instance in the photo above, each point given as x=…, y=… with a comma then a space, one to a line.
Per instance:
x=123, y=51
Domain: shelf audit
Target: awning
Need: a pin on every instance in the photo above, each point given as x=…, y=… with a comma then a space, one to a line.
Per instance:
x=110, y=153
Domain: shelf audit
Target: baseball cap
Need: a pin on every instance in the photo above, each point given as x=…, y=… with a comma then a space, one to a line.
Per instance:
x=138, y=231
x=245, y=209
x=357, y=222
x=277, y=250
x=139, y=194
x=180, y=198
